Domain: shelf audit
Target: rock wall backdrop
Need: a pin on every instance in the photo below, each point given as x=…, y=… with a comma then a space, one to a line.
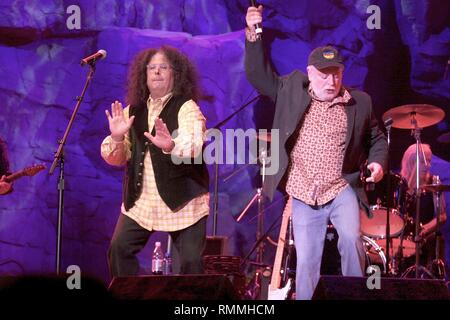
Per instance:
x=404, y=61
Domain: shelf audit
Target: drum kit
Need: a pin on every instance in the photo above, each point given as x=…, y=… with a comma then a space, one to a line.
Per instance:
x=387, y=235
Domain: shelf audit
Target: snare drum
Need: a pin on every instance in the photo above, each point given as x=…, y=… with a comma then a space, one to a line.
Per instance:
x=375, y=227
x=407, y=246
x=374, y=254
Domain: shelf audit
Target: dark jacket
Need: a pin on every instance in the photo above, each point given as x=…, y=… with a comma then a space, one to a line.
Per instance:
x=364, y=139
x=177, y=184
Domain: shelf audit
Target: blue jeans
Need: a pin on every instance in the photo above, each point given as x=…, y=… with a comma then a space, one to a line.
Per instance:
x=310, y=226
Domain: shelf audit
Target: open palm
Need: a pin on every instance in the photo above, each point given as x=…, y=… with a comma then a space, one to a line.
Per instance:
x=118, y=124
x=162, y=138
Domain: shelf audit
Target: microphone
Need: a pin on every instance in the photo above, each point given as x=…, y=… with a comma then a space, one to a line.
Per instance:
x=258, y=28
x=100, y=54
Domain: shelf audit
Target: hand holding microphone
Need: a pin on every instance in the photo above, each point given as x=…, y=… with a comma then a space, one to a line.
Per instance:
x=254, y=19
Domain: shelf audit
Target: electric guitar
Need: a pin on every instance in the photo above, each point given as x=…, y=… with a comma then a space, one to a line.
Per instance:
x=275, y=292
x=28, y=171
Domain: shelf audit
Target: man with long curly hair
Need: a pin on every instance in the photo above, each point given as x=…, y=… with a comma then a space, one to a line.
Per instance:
x=5, y=186
x=160, y=194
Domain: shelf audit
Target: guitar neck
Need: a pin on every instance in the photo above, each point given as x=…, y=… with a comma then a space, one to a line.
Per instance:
x=15, y=176
x=276, y=275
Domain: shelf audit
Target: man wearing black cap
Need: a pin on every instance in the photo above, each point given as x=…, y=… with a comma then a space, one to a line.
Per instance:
x=326, y=133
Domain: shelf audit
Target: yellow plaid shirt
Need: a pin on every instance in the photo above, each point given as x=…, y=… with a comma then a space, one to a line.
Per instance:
x=150, y=211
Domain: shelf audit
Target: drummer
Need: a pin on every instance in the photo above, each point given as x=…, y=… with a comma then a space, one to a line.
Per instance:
x=428, y=200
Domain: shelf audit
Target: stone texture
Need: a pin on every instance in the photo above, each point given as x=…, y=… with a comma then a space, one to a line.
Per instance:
x=403, y=62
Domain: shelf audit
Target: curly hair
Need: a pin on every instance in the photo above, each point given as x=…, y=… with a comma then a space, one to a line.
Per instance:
x=185, y=78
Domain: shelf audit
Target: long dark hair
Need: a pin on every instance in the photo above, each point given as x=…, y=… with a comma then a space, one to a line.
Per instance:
x=185, y=81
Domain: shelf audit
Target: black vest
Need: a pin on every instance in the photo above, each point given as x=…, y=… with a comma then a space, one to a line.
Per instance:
x=176, y=184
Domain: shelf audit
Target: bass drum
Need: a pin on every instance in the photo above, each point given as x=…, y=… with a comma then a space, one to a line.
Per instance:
x=375, y=227
x=331, y=260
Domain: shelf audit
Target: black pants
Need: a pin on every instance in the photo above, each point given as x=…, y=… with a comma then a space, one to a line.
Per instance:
x=129, y=238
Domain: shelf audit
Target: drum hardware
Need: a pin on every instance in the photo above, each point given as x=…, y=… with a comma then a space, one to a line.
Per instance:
x=411, y=116
x=374, y=253
x=437, y=266
x=375, y=227
x=218, y=126
x=388, y=125
x=388, y=121
x=260, y=234
x=415, y=117
x=259, y=197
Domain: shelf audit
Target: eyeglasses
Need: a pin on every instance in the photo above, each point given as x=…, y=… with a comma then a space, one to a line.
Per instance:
x=162, y=67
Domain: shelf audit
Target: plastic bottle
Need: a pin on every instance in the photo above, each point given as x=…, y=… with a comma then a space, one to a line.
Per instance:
x=167, y=264
x=157, y=259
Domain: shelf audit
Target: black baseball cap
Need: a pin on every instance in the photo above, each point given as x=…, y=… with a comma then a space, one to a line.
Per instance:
x=324, y=57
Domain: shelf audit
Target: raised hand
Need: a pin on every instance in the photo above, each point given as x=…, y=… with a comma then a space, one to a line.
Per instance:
x=118, y=124
x=254, y=16
x=162, y=138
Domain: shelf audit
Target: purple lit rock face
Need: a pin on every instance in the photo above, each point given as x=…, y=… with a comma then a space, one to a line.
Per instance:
x=403, y=62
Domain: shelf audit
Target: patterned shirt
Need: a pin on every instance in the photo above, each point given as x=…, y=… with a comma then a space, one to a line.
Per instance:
x=315, y=169
x=150, y=211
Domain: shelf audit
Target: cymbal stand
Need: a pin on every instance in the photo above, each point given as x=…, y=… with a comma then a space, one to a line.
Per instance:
x=259, y=197
x=438, y=264
x=417, y=267
x=388, y=126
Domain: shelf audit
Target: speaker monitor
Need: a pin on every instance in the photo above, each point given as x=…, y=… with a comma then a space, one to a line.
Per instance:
x=216, y=245
x=51, y=288
x=173, y=287
x=356, y=288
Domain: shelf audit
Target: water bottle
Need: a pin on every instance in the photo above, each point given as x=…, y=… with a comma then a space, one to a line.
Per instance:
x=157, y=259
x=167, y=264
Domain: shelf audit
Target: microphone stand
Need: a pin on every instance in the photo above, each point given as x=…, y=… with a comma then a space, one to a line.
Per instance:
x=260, y=199
x=263, y=236
x=216, y=165
x=59, y=158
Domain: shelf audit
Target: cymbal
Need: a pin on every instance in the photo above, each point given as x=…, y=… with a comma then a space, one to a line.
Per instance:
x=436, y=187
x=444, y=138
x=425, y=114
x=264, y=136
